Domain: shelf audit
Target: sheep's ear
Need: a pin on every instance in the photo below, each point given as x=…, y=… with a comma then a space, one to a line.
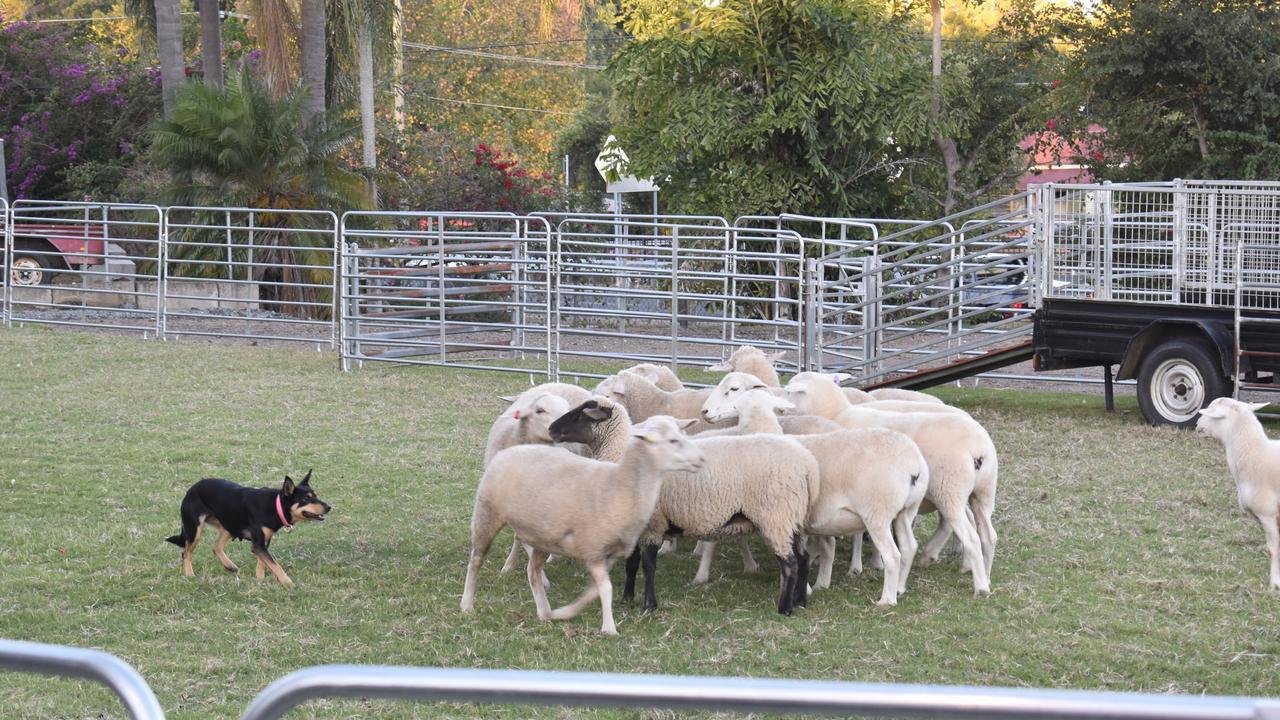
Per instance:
x=839, y=377
x=720, y=367
x=594, y=411
x=1255, y=407
x=775, y=356
x=781, y=406
x=508, y=398
x=797, y=389
x=644, y=433
x=1215, y=410
x=686, y=424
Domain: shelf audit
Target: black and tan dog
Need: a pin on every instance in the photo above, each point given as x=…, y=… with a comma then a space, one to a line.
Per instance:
x=245, y=513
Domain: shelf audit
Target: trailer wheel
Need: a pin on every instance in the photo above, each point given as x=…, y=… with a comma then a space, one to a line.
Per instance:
x=1177, y=379
x=29, y=270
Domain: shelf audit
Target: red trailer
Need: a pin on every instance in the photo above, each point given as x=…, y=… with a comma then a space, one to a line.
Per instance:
x=42, y=250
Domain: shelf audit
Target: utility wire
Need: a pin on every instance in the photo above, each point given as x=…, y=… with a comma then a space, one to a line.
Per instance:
x=492, y=105
x=496, y=56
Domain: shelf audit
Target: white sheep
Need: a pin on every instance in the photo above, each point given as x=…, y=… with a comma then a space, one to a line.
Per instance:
x=872, y=480
x=732, y=384
x=572, y=394
x=659, y=375
x=1254, y=462
x=963, y=467
x=902, y=394
x=643, y=399
x=753, y=361
x=526, y=421
x=722, y=398
x=594, y=512
x=761, y=484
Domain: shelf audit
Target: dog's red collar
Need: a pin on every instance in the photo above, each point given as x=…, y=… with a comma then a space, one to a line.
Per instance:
x=280, y=512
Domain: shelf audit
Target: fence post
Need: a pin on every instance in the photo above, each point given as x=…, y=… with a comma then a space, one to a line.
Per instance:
x=811, y=311
x=6, y=252
x=675, y=296
x=162, y=274
x=871, y=312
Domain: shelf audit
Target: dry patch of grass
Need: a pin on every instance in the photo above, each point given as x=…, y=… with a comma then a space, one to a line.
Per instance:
x=1123, y=561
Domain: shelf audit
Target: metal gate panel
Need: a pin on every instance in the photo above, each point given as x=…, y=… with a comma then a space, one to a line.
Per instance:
x=457, y=289
x=676, y=291
x=250, y=273
x=102, y=262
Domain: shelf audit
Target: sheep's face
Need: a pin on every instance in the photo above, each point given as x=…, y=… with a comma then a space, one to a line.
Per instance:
x=722, y=404
x=579, y=424
x=537, y=413
x=757, y=401
x=1216, y=419
x=663, y=437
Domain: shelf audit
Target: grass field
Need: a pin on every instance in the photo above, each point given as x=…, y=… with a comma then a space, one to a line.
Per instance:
x=1123, y=563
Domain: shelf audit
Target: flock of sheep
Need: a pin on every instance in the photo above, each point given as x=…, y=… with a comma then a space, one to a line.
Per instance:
x=643, y=459
x=609, y=474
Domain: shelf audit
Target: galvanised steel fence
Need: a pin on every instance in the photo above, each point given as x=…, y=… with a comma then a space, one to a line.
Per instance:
x=879, y=298
x=69, y=662
x=458, y=289
x=247, y=273
x=674, y=291
x=96, y=264
x=742, y=695
x=674, y=692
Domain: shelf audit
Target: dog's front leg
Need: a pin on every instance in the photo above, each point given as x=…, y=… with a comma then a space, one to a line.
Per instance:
x=261, y=539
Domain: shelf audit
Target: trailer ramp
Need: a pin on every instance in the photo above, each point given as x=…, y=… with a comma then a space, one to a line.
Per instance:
x=962, y=367
x=930, y=303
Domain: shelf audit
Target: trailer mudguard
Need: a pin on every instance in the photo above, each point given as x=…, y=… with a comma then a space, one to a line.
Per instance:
x=1218, y=333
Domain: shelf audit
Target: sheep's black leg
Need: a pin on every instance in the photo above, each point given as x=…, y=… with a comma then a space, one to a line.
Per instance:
x=633, y=566
x=801, y=597
x=649, y=558
x=787, y=570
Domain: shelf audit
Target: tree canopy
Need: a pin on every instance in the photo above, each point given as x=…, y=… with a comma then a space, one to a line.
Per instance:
x=1185, y=88
x=768, y=106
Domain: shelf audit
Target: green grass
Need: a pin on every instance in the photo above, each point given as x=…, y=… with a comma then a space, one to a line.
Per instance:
x=1123, y=564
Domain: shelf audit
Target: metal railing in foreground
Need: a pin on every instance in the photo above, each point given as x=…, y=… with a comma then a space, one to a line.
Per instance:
x=63, y=661
x=518, y=687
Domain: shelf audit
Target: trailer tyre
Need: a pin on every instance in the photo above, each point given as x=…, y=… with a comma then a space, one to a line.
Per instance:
x=1177, y=379
x=30, y=269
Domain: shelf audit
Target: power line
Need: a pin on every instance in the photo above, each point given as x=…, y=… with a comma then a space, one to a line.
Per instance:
x=105, y=18
x=561, y=41
x=496, y=56
x=492, y=105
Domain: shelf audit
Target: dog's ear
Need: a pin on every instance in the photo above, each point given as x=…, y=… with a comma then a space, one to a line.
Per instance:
x=306, y=479
x=288, y=485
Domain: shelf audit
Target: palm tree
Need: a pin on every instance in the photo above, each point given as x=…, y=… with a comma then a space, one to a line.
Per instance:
x=239, y=147
x=313, y=57
x=353, y=24
x=169, y=47
x=211, y=42
x=275, y=28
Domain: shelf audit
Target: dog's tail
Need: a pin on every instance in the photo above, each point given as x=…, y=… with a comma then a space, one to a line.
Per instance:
x=177, y=540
